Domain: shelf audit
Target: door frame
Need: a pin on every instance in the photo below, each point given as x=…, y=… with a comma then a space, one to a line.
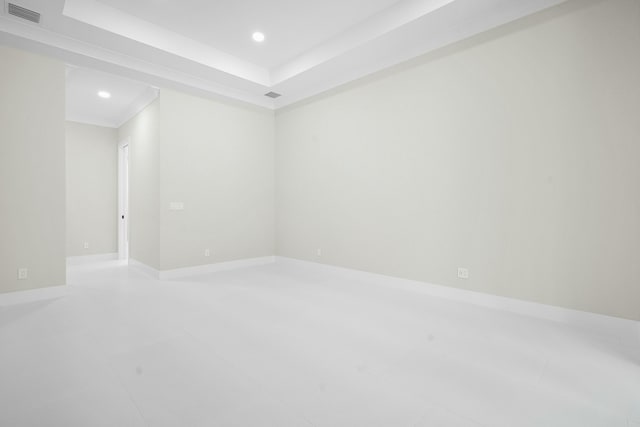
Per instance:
x=124, y=154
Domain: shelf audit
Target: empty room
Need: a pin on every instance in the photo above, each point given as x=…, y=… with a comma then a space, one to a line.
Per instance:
x=353, y=213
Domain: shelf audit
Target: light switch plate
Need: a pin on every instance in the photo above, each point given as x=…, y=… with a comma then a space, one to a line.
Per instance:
x=176, y=206
x=463, y=273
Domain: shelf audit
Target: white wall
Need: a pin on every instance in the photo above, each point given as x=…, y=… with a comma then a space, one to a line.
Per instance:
x=92, y=189
x=514, y=154
x=32, y=170
x=143, y=133
x=217, y=159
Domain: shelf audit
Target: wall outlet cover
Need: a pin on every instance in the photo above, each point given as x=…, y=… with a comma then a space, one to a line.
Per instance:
x=463, y=273
x=23, y=273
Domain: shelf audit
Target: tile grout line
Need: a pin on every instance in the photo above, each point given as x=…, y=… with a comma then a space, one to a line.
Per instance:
x=133, y=401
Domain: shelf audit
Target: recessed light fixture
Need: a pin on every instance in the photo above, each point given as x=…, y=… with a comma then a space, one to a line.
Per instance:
x=258, y=36
x=104, y=94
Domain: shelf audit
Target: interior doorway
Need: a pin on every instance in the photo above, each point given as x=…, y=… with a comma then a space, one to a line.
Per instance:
x=123, y=199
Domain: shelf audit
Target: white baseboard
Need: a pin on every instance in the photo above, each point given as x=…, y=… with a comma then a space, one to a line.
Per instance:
x=90, y=259
x=200, y=269
x=144, y=268
x=623, y=329
x=213, y=268
x=33, y=295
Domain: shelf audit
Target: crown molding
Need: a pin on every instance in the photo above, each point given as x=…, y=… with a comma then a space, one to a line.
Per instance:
x=91, y=34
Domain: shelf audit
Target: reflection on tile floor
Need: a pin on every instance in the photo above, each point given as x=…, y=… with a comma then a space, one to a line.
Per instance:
x=279, y=345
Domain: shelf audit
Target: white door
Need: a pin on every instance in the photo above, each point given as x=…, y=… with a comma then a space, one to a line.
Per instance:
x=123, y=200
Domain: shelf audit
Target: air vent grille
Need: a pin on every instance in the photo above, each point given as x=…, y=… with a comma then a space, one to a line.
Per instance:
x=272, y=95
x=23, y=13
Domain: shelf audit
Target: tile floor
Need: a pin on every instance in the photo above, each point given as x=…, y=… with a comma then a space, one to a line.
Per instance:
x=288, y=346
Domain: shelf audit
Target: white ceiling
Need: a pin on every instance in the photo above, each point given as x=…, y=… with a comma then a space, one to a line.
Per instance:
x=128, y=97
x=292, y=26
x=205, y=46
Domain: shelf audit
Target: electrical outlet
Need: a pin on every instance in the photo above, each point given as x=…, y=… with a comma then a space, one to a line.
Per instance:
x=319, y=252
x=207, y=252
x=463, y=273
x=23, y=273
x=86, y=245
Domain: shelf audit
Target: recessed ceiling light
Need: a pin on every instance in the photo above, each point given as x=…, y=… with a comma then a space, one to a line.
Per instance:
x=258, y=36
x=104, y=94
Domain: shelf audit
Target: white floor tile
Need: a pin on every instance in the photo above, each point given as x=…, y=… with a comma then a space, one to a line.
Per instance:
x=94, y=406
x=181, y=379
x=282, y=346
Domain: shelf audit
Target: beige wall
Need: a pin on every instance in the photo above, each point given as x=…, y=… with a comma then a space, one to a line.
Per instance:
x=217, y=159
x=514, y=154
x=143, y=134
x=32, y=170
x=92, y=189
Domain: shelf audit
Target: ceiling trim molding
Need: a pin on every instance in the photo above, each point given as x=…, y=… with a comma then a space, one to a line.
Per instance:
x=145, y=98
x=77, y=118
x=406, y=30
x=107, y=18
x=376, y=26
x=64, y=45
x=379, y=55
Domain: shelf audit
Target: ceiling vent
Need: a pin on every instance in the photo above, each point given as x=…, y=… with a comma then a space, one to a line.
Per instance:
x=21, y=12
x=272, y=95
